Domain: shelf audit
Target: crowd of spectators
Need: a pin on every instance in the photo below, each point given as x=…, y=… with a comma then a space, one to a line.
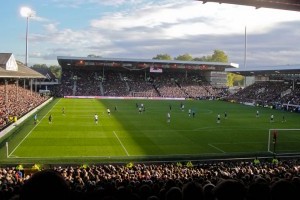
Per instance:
x=139, y=84
x=234, y=180
x=135, y=83
x=292, y=97
x=16, y=101
x=167, y=85
x=260, y=92
x=114, y=84
x=276, y=94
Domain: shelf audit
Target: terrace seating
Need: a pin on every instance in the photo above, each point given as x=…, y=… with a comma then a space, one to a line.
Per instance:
x=134, y=83
x=19, y=102
x=263, y=93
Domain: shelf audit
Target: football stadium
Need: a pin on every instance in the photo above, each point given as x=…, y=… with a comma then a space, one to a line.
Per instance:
x=116, y=128
x=117, y=111
x=128, y=113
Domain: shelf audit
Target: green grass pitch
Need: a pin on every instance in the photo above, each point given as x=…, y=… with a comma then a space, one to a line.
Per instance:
x=127, y=135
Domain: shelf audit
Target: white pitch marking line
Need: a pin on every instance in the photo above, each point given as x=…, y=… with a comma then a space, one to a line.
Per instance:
x=217, y=148
x=121, y=143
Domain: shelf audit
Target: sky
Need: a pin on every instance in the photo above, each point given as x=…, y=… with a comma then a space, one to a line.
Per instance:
x=145, y=28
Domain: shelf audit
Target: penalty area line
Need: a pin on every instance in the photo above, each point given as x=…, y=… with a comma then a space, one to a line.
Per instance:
x=121, y=143
x=216, y=148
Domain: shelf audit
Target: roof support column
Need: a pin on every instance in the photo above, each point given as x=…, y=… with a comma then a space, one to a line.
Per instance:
x=31, y=86
x=293, y=88
x=6, y=91
x=35, y=85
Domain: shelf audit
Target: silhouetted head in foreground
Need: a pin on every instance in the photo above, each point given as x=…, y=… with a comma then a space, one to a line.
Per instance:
x=230, y=189
x=45, y=184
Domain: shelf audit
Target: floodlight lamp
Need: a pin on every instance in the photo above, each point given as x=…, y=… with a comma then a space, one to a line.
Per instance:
x=27, y=12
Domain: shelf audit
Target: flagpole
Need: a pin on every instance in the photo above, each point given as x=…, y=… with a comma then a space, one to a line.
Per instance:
x=245, y=53
x=245, y=50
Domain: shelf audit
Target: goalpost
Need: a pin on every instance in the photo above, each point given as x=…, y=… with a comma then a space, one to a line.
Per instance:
x=284, y=141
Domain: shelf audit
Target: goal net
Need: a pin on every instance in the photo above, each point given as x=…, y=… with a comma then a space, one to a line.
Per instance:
x=284, y=141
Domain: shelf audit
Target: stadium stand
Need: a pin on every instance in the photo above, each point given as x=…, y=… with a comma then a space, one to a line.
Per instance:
x=129, y=78
x=274, y=94
x=17, y=96
x=17, y=102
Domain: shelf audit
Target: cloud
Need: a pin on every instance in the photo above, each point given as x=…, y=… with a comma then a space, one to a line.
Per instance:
x=193, y=18
x=80, y=3
x=51, y=28
x=177, y=27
